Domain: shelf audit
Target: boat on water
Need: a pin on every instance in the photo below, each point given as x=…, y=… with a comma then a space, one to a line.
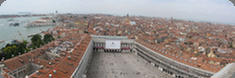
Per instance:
x=15, y=24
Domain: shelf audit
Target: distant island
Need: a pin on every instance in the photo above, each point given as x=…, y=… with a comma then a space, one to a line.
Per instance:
x=14, y=16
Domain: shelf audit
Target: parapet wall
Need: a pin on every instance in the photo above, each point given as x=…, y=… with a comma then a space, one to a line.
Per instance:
x=176, y=69
x=165, y=64
x=81, y=70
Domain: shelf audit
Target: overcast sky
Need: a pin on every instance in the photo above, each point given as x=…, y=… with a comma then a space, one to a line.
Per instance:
x=221, y=11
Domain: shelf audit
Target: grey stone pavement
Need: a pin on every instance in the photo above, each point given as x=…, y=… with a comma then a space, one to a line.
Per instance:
x=122, y=65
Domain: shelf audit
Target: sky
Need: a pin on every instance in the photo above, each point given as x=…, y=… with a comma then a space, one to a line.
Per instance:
x=219, y=11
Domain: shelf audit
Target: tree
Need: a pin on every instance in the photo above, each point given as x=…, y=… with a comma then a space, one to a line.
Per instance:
x=10, y=50
x=36, y=41
x=48, y=38
x=85, y=17
x=14, y=49
x=53, y=21
x=22, y=47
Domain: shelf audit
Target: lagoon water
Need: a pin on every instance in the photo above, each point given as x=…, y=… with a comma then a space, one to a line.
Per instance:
x=9, y=33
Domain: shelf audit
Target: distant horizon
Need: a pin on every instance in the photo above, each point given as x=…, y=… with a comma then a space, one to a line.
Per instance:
x=202, y=21
x=214, y=11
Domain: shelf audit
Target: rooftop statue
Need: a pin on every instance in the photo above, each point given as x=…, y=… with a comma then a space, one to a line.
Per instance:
x=1, y=1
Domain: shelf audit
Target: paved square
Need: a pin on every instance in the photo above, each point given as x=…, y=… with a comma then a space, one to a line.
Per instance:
x=122, y=65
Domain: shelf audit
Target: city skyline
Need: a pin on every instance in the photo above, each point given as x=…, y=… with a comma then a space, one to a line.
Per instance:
x=216, y=11
x=92, y=45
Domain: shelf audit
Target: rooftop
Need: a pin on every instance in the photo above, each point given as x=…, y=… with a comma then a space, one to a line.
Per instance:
x=201, y=45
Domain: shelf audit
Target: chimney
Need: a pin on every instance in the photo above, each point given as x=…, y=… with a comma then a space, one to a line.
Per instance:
x=69, y=57
x=54, y=71
x=49, y=63
x=37, y=72
x=50, y=75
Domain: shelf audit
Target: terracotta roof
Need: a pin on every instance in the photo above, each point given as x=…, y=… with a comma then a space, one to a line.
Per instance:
x=67, y=64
